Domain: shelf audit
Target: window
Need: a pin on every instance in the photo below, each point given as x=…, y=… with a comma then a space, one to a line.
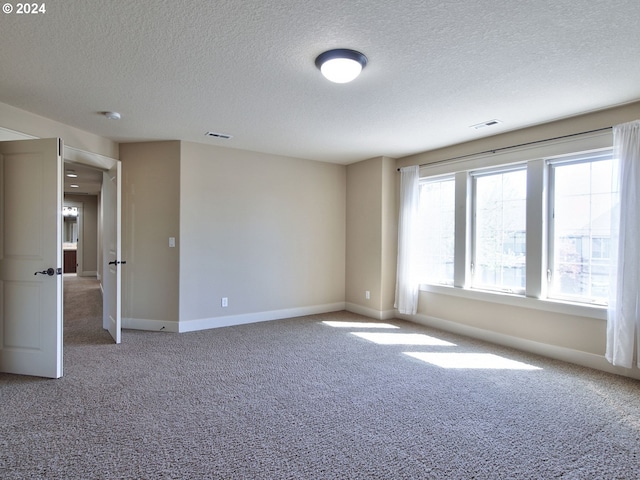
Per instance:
x=499, y=233
x=534, y=223
x=437, y=230
x=580, y=229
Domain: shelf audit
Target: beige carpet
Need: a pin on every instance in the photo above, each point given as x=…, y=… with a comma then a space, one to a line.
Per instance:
x=300, y=399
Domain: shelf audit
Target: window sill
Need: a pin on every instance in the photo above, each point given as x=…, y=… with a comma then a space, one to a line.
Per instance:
x=556, y=306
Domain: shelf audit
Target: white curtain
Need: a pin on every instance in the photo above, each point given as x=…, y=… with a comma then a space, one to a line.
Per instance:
x=407, y=286
x=623, y=315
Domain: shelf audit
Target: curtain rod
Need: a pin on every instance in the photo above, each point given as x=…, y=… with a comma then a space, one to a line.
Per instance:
x=494, y=150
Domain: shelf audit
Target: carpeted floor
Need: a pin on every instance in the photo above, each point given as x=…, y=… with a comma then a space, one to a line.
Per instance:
x=303, y=399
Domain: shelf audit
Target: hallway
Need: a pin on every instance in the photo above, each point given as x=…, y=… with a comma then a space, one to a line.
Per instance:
x=83, y=312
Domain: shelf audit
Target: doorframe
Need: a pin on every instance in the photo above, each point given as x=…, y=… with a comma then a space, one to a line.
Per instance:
x=80, y=243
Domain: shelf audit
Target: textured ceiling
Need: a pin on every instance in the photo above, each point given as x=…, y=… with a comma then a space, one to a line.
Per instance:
x=177, y=69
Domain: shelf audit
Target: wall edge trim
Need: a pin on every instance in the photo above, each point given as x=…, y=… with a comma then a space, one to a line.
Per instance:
x=370, y=312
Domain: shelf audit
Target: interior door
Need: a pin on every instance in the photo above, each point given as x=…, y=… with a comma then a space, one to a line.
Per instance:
x=31, y=257
x=112, y=253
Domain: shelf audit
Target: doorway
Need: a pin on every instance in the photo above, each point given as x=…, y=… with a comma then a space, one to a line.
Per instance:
x=72, y=237
x=82, y=255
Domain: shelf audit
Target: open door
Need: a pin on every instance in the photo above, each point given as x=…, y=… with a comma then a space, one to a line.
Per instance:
x=31, y=257
x=112, y=252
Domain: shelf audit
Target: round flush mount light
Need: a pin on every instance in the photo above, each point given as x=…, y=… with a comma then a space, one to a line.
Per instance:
x=112, y=115
x=341, y=65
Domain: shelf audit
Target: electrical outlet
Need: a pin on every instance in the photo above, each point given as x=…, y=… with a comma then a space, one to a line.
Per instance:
x=225, y=302
x=367, y=295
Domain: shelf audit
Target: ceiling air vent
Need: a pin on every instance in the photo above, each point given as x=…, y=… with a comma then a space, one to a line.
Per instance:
x=224, y=136
x=488, y=123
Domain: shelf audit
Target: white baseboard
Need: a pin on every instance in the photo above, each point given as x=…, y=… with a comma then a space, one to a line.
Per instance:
x=585, y=359
x=370, y=312
x=228, y=321
x=150, y=325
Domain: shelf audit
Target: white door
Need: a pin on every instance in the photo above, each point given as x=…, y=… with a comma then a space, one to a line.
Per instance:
x=112, y=251
x=31, y=257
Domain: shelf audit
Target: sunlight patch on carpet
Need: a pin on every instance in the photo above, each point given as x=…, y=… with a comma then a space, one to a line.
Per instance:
x=402, y=339
x=471, y=360
x=358, y=324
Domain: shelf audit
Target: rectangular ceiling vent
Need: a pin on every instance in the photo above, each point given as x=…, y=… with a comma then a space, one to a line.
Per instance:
x=224, y=136
x=488, y=123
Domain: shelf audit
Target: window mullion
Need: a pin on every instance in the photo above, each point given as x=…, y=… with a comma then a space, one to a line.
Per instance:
x=462, y=253
x=536, y=229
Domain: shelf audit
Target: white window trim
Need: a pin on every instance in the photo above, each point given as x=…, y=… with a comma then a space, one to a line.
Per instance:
x=598, y=312
x=599, y=154
x=517, y=167
x=536, y=158
x=444, y=178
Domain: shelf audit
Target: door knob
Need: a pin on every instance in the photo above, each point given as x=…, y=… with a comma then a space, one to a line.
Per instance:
x=50, y=271
x=117, y=262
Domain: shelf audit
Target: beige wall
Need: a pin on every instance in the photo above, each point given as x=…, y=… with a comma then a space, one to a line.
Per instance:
x=390, y=203
x=89, y=230
x=557, y=329
x=371, y=236
x=150, y=215
x=568, y=126
x=265, y=231
x=583, y=335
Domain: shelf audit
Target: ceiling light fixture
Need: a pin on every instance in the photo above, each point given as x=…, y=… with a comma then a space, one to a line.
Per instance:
x=112, y=115
x=341, y=65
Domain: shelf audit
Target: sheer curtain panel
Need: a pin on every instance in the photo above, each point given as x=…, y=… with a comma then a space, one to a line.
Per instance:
x=623, y=320
x=407, y=286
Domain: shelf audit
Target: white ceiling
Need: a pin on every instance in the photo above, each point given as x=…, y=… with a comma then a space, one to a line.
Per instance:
x=87, y=182
x=177, y=69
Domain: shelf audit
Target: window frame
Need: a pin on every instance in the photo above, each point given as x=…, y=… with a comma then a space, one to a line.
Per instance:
x=474, y=175
x=552, y=163
x=536, y=155
x=437, y=179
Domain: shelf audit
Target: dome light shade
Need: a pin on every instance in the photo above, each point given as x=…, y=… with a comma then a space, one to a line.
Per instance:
x=112, y=115
x=341, y=65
